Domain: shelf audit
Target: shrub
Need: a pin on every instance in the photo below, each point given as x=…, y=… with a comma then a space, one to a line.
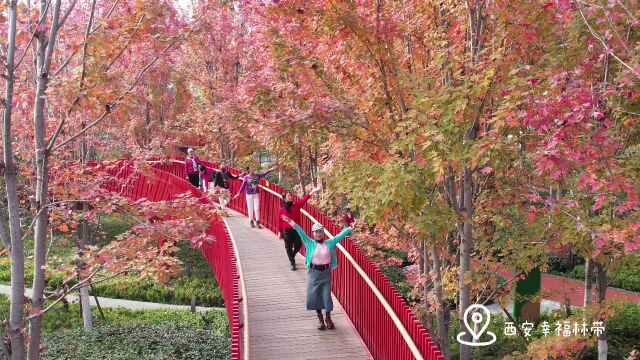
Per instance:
x=178, y=292
x=65, y=316
x=625, y=278
x=165, y=340
x=622, y=331
x=560, y=263
x=196, y=279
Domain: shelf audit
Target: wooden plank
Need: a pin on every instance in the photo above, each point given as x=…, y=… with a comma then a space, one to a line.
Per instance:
x=280, y=326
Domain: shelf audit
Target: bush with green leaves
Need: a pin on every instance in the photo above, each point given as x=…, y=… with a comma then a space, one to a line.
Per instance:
x=165, y=340
x=624, y=278
x=65, y=316
x=195, y=279
x=178, y=291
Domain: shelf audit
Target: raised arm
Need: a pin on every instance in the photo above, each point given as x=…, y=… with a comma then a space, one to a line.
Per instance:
x=244, y=185
x=302, y=201
x=264, y=173
x=336, y=239
x=303, y=236
x=298, y=205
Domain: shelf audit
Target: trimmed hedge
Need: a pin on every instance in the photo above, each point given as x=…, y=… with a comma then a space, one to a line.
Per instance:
x=178, y=292
x=627, y=278
x=166, y=340
x=65, y=316
x=196, y=279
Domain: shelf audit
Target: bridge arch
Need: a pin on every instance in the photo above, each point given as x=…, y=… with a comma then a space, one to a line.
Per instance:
x=383, y=320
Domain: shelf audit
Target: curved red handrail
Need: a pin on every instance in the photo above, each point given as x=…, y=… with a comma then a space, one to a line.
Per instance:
x=390, y=332
x=157, y=185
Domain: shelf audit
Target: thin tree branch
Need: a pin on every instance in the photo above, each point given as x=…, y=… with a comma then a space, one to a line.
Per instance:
x=615, y=31
x=82, y=76
x=135, y=32
x=66, y=14
x=111, y=106
x=113, y=7
x=53, y=32
x=33, y=34
x=42, y=209
x=597, y=36
x=64, y=295
x=64, y=64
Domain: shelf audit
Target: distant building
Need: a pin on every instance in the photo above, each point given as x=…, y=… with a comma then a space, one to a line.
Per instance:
x=266, y=159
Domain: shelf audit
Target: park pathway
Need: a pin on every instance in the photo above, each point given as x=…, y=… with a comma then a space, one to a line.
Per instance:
x=280, y=327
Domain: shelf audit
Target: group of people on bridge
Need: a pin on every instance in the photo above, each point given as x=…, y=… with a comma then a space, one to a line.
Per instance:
x=320, y=253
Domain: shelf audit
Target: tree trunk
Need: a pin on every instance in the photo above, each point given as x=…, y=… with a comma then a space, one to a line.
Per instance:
x=313, y=169
x=147, y=124
x=601, y=293
x=465, y=255
x=45, y=51
x=84, y=291
x=443, y=328
x=588, y=282
x=16, y=307
x=301, y=179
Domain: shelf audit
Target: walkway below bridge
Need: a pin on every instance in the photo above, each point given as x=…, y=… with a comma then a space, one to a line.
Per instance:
x=280, y=326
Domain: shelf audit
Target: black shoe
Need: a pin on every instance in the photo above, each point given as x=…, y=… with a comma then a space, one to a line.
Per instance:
x=293, y=267
x=252, y=224
x=258, y=222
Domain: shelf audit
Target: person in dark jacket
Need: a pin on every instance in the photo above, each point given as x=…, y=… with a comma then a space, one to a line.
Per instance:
x=220, y=185
x=292, y=241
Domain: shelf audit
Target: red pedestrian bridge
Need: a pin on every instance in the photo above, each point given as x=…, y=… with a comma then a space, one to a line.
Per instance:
x=265, y=300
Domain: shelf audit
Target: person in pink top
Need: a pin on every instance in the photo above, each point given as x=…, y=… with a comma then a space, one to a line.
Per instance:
x=292, y=242
x=320, y=257
x=191, y=166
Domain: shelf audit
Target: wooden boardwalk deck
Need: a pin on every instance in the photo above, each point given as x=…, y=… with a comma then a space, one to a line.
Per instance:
x=280, y=326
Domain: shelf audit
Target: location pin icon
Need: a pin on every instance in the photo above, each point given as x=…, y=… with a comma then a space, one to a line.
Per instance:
x=479, y=314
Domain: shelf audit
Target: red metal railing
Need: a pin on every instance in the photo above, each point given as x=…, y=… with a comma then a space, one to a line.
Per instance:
x=384, y=321
x=157, y=185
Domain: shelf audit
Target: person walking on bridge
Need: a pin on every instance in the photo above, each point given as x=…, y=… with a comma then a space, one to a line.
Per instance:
x=221, y=186
x=191, y=165
x=292, y=241
x=320, y=258
x=250, y=184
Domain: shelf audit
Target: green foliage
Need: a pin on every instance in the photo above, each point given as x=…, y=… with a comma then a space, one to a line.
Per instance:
x=623, y=333
x=395, y=274
x=622, y=328
x=178, y=292
x=65, y=316
x=560, y=264
x=627, y=278
x=165, y=340
x=196, y=278
x=502, y=347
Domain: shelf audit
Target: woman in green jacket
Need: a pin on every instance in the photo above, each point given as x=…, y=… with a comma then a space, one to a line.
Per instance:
x=320, y=258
